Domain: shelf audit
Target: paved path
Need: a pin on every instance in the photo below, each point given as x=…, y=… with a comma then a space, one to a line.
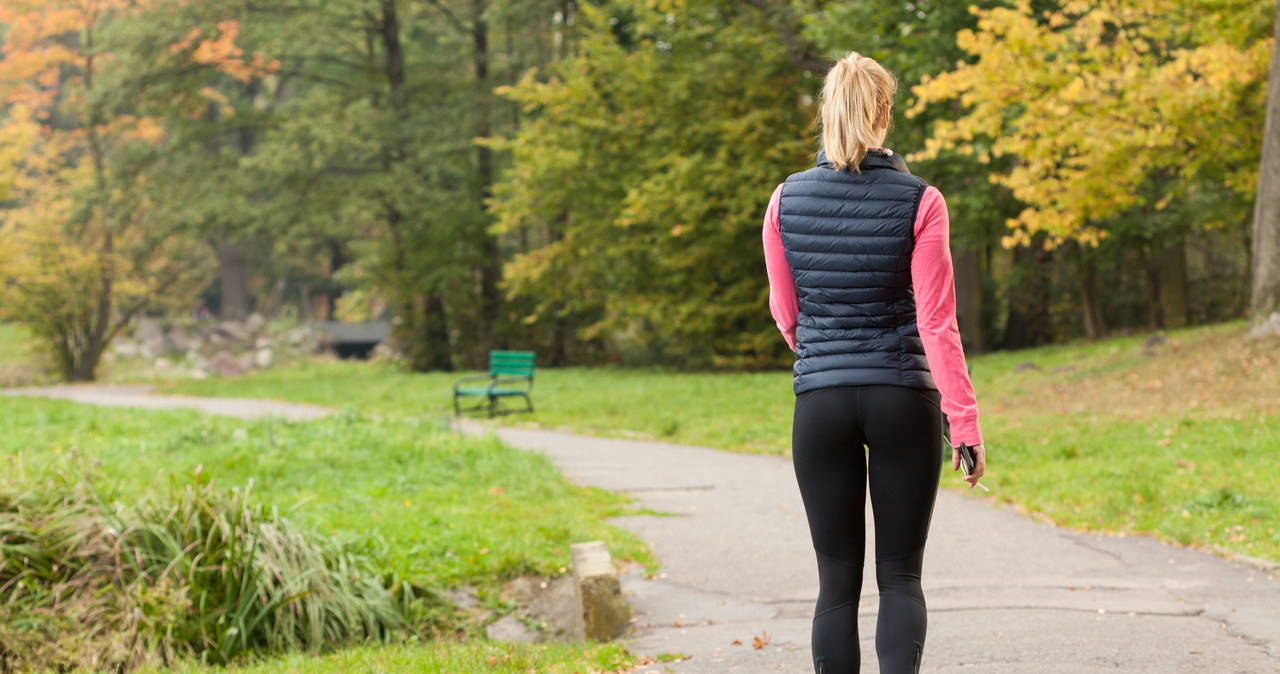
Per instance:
x=139, y=395
x=1006, y=594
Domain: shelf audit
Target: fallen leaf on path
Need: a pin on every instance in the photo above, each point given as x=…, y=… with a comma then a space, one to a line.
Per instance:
x=737, y=642
x=760, y=641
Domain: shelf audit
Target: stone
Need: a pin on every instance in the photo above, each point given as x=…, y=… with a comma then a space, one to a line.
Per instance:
x=124, y=347
x=1025, y=366
x=225, y=365
x=254, y=322
x=245, y=361
x=262, y=358
x=521, y=590
x=150, y=337
x=231, y=331
x=509, y=628
x=604, y=613
x=175, y=340
x=463, y=597
x=163, y=364
x=556, y=607
x=262, y=342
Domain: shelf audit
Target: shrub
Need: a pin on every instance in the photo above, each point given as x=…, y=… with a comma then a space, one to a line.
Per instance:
x=200, y=573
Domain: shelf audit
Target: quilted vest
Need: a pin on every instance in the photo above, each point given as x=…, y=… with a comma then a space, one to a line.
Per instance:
x=848, y=237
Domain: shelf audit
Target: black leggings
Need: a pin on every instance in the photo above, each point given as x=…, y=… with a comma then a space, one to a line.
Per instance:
x=902, y=430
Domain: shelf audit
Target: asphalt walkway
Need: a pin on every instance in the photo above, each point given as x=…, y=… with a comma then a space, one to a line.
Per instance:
x=1006, y=593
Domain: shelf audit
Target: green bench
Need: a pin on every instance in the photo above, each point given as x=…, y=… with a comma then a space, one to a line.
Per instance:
x=510, y=375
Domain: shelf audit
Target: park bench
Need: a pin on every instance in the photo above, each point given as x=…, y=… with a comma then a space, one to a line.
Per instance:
x=510, y=374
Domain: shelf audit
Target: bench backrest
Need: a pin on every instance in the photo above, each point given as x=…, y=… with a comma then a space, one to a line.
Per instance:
x=511, y=363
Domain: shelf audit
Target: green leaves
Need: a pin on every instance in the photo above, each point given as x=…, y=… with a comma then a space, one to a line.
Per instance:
x=643, y=171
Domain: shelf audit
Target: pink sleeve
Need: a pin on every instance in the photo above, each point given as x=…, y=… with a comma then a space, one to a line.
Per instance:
x=782, y=287
x=934, y=281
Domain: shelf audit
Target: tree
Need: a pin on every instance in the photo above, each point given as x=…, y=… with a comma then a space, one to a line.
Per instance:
x=641, y=172
x=1111, y=111
x=1265, y=305
x=85, y=252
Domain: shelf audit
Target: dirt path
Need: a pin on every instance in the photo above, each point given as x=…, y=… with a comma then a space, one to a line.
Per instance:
x=1006, y=593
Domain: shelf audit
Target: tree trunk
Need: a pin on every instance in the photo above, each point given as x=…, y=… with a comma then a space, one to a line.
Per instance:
x=1090, y=295
x=1173, y=284
x=1028, y=299
x=491, y=256
x=1264, y=308
x=968, y=272
x=233, y=259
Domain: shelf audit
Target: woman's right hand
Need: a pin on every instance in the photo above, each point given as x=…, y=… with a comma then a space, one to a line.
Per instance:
x=979, y=463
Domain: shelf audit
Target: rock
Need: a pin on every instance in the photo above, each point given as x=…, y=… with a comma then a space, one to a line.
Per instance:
x=509, y=628
x=1152, y=343
x=521, y=590
x=1025, y=366
x=231, y=331
x=605, y=614
x=124, y=347
x=225, y=365
x=245, y=361
x=175, y=340
x=262, y=342
x=254, y=322
x=463, y=597
x=150, y=337
x=199, y=374
x=162, y=364
x=262, y=359
x=557, y=608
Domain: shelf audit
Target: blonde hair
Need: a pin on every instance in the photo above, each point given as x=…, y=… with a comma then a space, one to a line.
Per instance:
x=856, y=99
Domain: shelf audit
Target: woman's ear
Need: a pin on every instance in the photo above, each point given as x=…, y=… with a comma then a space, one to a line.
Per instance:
x=885, y=114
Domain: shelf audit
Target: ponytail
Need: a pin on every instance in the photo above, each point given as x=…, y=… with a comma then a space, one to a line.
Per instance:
x=856, y=99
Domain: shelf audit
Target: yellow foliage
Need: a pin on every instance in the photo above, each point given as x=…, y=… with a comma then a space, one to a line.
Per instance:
x=1091, y=99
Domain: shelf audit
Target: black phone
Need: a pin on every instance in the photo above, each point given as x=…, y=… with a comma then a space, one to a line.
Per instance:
x=966, y=459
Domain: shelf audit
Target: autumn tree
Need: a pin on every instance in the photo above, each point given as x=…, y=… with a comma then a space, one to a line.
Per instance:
x=1265, y=306
x=641, y=172
x=1113, y=113
x=85, y=253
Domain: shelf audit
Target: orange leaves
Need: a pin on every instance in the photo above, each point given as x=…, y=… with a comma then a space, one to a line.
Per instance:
x=222, y=53
x=761, y=641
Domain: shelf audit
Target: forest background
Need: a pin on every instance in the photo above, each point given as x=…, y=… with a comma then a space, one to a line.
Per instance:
x=588, y=179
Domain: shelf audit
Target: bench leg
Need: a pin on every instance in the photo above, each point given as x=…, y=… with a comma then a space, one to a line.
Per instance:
x=528, y=402
x=493, y=406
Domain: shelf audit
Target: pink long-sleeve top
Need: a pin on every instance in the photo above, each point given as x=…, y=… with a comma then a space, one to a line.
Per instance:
x=934, y=283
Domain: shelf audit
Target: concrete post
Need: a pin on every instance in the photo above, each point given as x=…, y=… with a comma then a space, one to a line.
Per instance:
x=604, y=612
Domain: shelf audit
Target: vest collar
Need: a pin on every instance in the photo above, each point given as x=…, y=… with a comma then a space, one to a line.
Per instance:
x=875, y=158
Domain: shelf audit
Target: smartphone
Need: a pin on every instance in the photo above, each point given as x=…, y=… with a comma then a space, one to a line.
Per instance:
x=966, y=459
x=967, y=463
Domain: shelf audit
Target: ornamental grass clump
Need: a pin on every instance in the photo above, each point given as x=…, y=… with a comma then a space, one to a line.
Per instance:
x=201, y=573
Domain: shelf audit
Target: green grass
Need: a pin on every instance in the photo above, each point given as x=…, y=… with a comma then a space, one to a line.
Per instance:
x=442, y=508
x=1178, y=440
x=447, y=656
x=434, y=507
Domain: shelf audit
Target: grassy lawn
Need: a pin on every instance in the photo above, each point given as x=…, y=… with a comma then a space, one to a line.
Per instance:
x=437, y=508
x=1178, y=439
x=475, y=656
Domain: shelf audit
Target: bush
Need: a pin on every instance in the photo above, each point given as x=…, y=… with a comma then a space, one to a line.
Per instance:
x=199, y=573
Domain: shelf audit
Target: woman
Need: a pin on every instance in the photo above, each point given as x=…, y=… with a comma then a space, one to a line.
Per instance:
x=861, y=287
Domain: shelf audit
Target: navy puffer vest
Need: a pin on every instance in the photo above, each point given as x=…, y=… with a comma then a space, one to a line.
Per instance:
x=848, y=238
